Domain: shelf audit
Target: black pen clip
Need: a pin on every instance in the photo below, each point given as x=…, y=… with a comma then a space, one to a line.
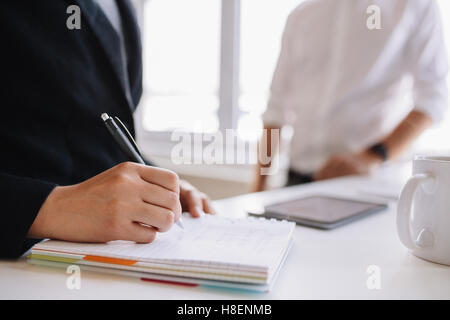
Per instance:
x=128, y=134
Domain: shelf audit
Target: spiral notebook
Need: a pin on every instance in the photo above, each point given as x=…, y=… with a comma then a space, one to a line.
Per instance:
x=211, y=250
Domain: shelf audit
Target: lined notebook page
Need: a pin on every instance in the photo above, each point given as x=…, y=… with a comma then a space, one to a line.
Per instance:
x=210, y=240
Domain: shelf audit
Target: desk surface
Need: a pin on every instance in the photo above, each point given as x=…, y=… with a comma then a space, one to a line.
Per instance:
x=321, y=264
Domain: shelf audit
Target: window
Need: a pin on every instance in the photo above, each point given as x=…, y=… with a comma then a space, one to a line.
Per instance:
x=181, y=65
x=189, y=47
x=262, y=25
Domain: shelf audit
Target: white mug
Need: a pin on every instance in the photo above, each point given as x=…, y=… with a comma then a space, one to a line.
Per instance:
x=423, y=217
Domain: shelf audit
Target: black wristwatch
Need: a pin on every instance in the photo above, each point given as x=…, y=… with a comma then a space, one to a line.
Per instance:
x=380, y=150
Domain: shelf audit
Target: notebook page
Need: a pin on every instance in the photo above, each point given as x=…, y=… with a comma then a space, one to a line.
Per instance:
x=207, y=241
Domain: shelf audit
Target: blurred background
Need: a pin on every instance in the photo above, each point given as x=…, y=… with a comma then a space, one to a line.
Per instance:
x=208, y=65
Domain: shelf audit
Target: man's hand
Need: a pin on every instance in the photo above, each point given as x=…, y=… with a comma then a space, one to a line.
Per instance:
x=348, y=164
x=362, y=163
x=194, y=201
x=127, y=202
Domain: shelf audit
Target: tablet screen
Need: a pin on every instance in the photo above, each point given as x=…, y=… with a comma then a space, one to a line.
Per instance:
x=322, y=209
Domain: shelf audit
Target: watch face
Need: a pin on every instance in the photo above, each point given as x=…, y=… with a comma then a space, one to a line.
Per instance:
x=380, y=150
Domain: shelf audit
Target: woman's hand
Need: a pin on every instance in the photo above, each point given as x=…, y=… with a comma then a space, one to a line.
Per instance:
x=193, y=201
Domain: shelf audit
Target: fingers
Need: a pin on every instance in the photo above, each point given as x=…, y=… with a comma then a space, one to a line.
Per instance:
x=207, y=206
x=159, y=196
x=141, y=234
x=149, y=199
x=322, y=173
x=335, y=167
x=197, y=203
x=194, y=203
x=161, y=219
x=161, y=177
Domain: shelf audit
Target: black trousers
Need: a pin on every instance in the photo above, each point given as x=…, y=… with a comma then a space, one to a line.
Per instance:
x=295, y=178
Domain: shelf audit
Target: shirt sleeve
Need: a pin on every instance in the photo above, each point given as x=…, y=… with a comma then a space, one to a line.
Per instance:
x=278, y=105
x=21, y=200
x=428, y=58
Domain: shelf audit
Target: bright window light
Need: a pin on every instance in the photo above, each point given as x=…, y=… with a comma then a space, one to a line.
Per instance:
x=181, y=65
x=262, y=25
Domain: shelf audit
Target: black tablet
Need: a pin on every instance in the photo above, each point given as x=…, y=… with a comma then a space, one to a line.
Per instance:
x=324, y=212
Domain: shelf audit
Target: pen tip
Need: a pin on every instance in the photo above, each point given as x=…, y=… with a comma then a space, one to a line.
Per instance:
x=105, y=116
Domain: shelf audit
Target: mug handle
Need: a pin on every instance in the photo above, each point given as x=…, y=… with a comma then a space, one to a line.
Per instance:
x=404, y=209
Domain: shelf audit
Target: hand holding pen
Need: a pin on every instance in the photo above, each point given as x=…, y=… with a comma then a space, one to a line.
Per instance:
x=126, y=143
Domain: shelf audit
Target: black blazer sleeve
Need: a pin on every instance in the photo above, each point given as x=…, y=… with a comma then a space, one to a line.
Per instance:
x=21, y=200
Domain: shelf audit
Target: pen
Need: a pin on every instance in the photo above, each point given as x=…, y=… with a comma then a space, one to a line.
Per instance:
x=126, y=142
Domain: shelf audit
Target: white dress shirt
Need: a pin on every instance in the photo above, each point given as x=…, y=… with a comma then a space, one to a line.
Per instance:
x=112, y=12
x=344, y=87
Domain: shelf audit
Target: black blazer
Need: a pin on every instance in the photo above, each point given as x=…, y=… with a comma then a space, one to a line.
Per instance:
x=57, y=82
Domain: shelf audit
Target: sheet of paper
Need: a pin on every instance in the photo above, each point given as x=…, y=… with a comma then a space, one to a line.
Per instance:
x=206, y=241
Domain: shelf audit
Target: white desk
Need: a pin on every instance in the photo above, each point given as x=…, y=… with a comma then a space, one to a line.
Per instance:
x=321, y=264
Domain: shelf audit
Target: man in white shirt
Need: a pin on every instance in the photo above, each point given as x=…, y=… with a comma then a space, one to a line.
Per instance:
x=342, y=83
